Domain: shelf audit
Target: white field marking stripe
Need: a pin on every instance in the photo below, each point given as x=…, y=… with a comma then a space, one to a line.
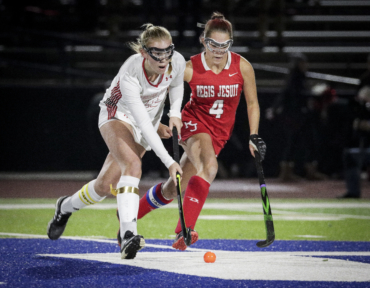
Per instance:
x=99, y=206
x=64, y=237
x=239, y=265
x=275, y=217
x=344, y=216
x=225, y=186
x=217, y=206
x=23, y=235
x=291, y=217
x=258, y=253
x=237, y=186
x=288, y=205
x=91, y=239
x=310, y=236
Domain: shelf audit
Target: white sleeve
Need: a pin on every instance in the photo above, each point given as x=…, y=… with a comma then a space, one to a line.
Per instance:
x=176, y=90
x=130, y=90
x=176, y=94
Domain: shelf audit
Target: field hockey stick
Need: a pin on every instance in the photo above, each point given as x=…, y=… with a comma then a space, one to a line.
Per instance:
x=176, y=155
x=269, y=224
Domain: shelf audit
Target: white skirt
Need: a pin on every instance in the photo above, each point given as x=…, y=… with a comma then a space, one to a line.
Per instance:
x=121, y=116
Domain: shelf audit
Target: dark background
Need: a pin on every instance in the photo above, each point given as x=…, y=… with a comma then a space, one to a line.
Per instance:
x=57, y=58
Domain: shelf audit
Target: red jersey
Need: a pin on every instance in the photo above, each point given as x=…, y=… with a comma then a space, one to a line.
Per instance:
x=214, y=97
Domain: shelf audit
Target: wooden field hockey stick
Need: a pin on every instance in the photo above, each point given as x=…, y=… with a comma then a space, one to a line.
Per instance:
x=269, y=224
x=176, y=155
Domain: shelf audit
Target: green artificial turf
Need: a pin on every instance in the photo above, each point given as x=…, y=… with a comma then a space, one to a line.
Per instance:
x=343, y=224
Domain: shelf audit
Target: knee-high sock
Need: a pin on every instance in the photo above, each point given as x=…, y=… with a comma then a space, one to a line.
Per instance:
x=82, y=198
x=128, y=204
x=195, y=195
x=152, y=199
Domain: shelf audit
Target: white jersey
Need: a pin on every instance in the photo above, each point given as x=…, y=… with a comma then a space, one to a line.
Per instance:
x=132, y=98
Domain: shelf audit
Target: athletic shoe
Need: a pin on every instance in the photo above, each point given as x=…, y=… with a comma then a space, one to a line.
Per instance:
x=131, y=244
x=58, y=223
x=179, y=242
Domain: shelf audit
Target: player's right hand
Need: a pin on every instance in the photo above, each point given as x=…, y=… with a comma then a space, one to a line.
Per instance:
x=173, y=170
x=176, y=122
x=164, y=131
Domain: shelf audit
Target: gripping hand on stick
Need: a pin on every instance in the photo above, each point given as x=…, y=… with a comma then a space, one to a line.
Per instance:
x=174, y=170
x=257, y=144
x=175, y=122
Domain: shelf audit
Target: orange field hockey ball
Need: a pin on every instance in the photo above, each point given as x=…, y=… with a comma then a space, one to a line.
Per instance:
x=209, y=257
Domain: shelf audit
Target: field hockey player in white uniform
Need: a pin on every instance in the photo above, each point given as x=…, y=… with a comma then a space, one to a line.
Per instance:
x=129, y=122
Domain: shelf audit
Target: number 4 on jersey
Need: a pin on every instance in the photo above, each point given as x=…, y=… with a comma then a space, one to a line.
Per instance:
x=217, y=108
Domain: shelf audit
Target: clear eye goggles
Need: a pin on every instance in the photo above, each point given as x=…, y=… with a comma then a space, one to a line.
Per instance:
x=160, y=54
x=217, y=47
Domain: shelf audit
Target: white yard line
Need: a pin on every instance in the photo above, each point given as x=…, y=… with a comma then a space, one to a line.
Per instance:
x=310, y=236
x=91, y=239
x=277, y=217
x=243, y=265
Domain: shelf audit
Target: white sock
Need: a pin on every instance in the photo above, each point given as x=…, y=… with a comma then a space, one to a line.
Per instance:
x=128, y=205
x=86, y=196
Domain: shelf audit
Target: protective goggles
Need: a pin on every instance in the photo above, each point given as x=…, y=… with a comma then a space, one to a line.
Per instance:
x=217, y=47
x=160, y=54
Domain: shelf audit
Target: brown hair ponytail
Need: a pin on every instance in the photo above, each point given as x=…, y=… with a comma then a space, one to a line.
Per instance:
x=218, y=23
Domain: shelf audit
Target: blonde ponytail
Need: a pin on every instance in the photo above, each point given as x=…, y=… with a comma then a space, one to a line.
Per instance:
x=150, y=33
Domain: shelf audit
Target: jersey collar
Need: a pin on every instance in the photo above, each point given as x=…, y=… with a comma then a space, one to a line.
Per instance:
x=228, y=63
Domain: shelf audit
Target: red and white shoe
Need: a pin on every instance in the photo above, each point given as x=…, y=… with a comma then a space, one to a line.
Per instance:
x=179, y=242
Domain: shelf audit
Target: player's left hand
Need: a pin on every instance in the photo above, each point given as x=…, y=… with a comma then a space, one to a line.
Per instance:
x=257, y=144
x=164, y=131
x=175, y=122
x=173, y=170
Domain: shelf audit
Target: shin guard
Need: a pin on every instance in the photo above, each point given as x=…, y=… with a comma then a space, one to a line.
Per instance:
x=128, y=203
x=195, y=195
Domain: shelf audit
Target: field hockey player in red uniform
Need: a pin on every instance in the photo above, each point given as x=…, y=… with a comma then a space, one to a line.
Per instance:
x=217, y=78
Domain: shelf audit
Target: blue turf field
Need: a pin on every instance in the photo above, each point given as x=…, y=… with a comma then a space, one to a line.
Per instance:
x=96, y=263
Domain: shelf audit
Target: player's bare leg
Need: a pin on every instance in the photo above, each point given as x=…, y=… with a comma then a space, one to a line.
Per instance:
x=119, y=138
